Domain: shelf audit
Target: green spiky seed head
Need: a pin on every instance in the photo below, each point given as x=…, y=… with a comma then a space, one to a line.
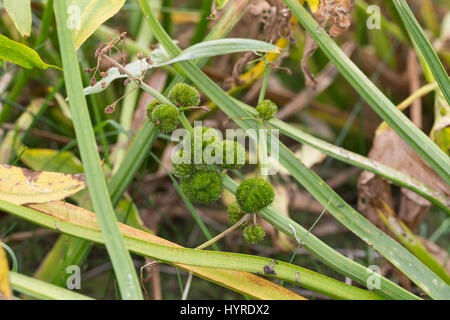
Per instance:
x=151, y=106
x=184, y=95
x=253, y=234
x=203, y=186
x=233, y=155
x=267, y=110
x=205, y=137
x=254, y=194
x=235, y=214
x=182, y=169
x=166, y=117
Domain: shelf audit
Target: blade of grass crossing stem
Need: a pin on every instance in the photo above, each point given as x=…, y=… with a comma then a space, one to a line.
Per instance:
x=338, y=262
x=187, y=202
x=423, y=44
x=409, y=264
x=326, y=254
x=412, y=135
x=134, y=158
x=147, y=245
x=137, y=152
x=119, y=255
x=336, y=152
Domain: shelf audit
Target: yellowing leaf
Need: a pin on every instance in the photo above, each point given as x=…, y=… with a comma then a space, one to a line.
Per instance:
x=20, y=13
x=20, y=186
x=85, y=16
x=5, y=289
x=67, y=214
x=313, y=5
x=20, y=54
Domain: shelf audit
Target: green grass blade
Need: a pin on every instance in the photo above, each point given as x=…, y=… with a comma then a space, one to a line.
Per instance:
x=428, y=150
x=365, y=163
x=132, y=161
x=82, y=226
x=423, y=44
x=324, y=253
x=134, y=157
x=42, y=290
x=393, y=252
x=120, y=258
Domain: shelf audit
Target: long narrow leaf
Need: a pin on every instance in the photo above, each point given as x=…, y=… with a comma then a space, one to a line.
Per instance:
x=120, y=258
x=42, y=290
x=423, y=44
x=410, y=265
x=198, y=51
x=428, y=150
x=83, y=224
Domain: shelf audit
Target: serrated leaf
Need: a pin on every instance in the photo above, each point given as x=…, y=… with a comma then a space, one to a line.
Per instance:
x=85, y=16
x=202, y=50
x=20, y=54
x=20, y=13
x=21, y=186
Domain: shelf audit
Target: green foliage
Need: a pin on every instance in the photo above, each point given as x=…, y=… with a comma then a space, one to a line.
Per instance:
x=20, y=13
x=184, y=95
x=20, y=54
x=253, y=234
x=254, y=194
x=266, y=110
x=203, y=186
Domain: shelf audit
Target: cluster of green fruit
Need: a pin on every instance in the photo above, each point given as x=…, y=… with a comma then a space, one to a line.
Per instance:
x=164, y=115
x=201, y=181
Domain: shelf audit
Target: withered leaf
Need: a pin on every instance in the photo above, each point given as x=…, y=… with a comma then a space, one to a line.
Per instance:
x=21, y=186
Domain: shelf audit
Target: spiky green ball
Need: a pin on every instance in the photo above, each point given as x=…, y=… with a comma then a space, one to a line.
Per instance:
x=203, y=186
x=235, y=214
x=254, y=194
x=184, y=95
x=233, y=155
x=267, y=110
x=181, y=168
x=151, y=106
x=253, y=234
x=165, y=117
x=204, y=137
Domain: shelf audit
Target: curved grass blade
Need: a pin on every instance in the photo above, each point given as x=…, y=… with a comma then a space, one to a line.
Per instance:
x=393, y=252
x=423, y=44
x=83, y=224
x=423, y=145
x=202, y=50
